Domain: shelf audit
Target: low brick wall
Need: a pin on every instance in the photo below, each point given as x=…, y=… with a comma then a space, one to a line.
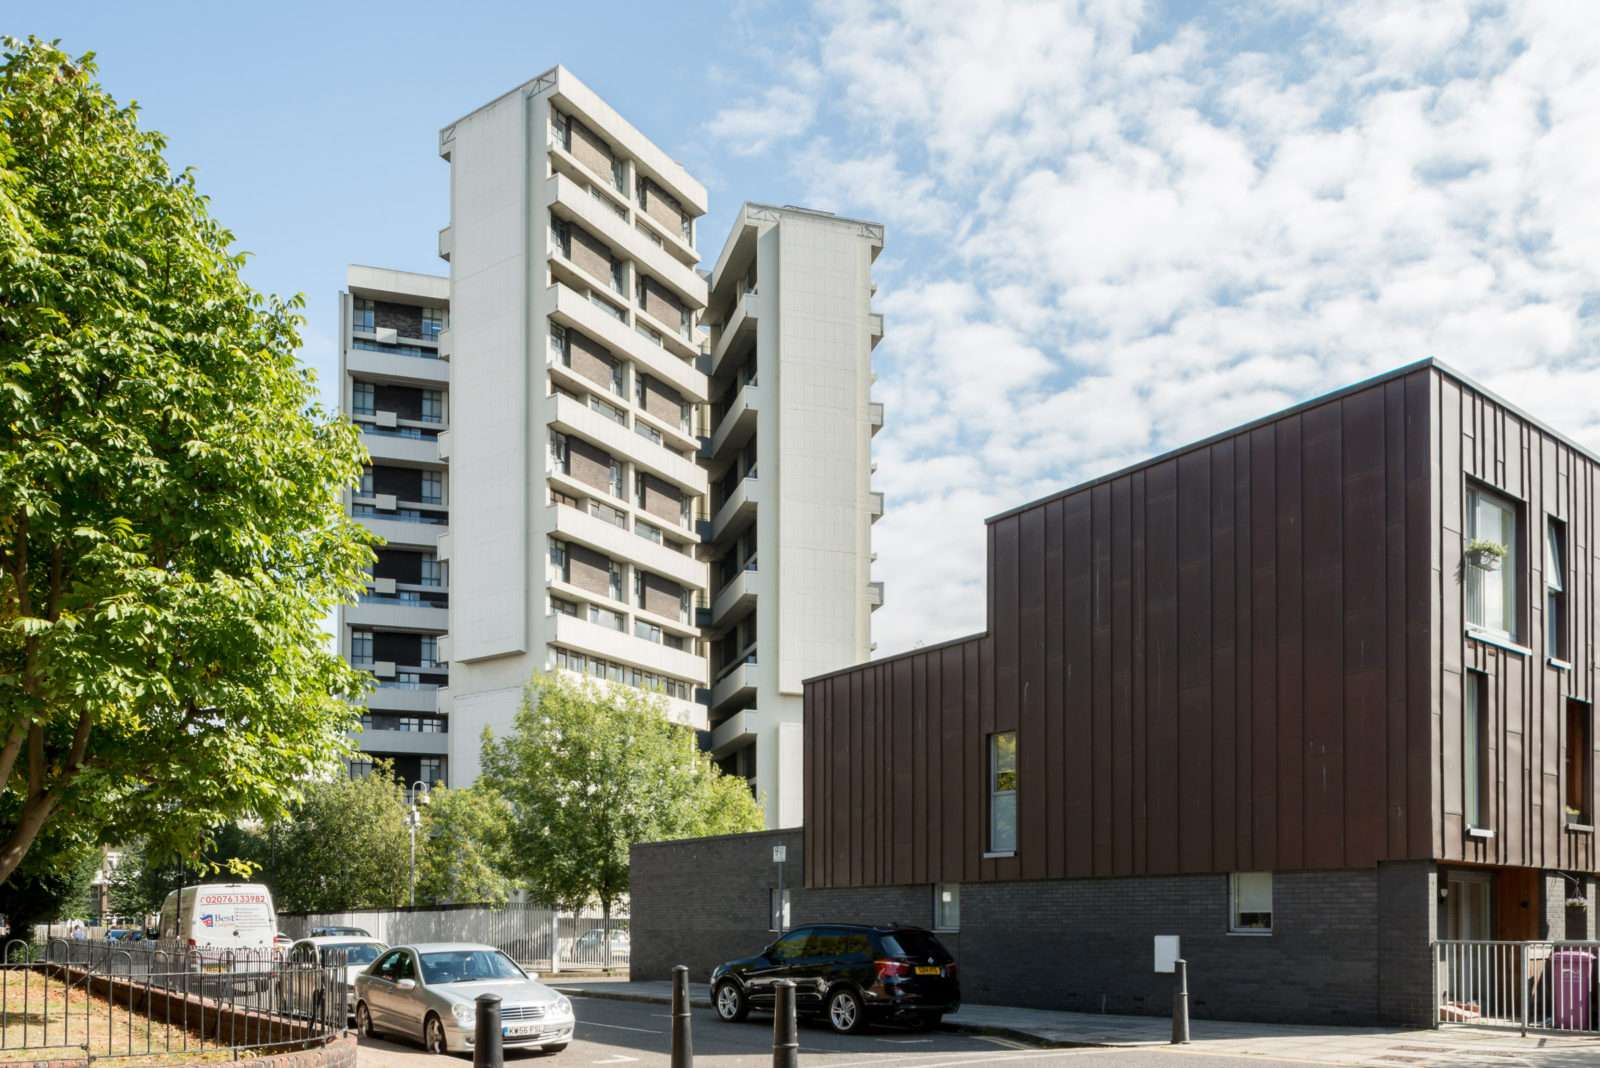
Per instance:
x=1349, y=947
x=340, y=1053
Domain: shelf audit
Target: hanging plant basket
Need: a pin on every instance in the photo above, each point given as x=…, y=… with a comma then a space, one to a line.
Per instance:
x=1577, y=902
x=1486, y=555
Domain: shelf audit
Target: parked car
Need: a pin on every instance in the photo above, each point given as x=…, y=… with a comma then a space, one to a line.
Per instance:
x=590, y=947
x=849, y=973
x=302, y=986
x=340, y=932
x=427, y=991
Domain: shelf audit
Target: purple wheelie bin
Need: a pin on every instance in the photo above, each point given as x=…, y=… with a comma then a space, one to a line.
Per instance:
x=1573, y=972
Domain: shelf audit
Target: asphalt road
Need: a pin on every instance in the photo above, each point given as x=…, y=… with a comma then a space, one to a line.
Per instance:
x=633, y=1035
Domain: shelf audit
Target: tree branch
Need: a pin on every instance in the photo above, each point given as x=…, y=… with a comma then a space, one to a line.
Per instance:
x=8, y=755
x=35, y=759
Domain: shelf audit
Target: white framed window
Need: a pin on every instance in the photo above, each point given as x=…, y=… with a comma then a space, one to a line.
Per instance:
x=617, y=583
x=361, y=648
x=558, y=558
x=558, y=452
x=432, y=406
x=1250, y=902
x=1003, y=792
x=617, y=487
x=434, y=322
x=1492, y=563
x=363, y=399
x=778, y=909
x=432, y=487
x=947, y=906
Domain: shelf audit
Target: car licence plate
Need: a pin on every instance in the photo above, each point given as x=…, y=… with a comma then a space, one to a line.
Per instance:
x=927, y=970
x=519, y=1030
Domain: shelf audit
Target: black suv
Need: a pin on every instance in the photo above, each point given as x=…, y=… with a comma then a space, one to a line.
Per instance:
x=848, y=972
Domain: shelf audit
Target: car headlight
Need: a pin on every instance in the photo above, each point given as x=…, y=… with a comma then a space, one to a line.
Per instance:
x=466, y=1015
x=563, y=1006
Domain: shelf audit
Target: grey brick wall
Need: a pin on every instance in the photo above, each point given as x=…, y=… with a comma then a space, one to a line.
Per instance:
x=1348, y=947
x=1562, y=922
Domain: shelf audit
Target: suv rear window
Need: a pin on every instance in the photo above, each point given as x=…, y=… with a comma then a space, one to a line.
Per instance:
x=916, y=945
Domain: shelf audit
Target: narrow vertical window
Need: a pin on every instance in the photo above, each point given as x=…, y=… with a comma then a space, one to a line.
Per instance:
x=363, y=315
x=1250, y=895
x=1003, y=792
x=1580, y=763
x=558, y=558
x=1491, y=562
x=432, y=406
x=361, y=648
x=366, y=482
x=363, y=399
x=1475, y=749
x=1555, y=589
x=947, y=906
x=432, y=487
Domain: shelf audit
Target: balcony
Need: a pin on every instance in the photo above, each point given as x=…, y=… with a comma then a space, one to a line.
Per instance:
x=423, y=743
x=875, y=416
x=569, y=200
x=411, y=451
x=875, y=505
x=396, y=369
x=447, y=345
x=875, y=328
x=735, y=600
x=874, y=595
x=736, y=333
x=734, y=733
x=396, y=615
x=674, y=243
x=620, y=544
x=447, y=243
x=443, y=444
x=572, y=417
x=738, y=511
x=405, y=534
x=395, y=699
x=737, y=685
x=573, y=309
x=738, y=424
x=624, y=648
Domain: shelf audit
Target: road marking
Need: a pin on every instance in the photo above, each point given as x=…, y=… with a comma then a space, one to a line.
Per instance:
x=620, y=1027
x=977, y=1058
x=618, y=1059
x=905, y=1041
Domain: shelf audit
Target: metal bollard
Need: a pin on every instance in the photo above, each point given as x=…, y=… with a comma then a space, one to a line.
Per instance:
x=682, y=1040
x=785, y=1032
x=488, y=1051
x=1180, y=1005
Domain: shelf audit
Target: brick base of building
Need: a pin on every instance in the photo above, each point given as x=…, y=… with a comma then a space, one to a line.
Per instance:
x=1347, y=947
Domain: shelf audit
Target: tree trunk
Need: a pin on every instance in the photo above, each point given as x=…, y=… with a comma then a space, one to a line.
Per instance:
x=29, y=823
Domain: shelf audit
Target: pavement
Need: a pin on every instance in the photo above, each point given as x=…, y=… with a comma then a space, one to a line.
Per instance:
x=1256, y=1042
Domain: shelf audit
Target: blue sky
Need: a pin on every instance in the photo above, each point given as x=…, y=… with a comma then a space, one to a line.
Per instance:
x=1113, y=225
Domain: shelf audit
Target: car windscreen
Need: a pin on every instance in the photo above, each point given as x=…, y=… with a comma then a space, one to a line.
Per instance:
x=467, y=966
x=915, y=945
x=354, y=952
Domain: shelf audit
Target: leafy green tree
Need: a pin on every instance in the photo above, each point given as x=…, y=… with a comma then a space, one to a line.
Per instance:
x=461, y=848
x=52, y=884
x=343, y=846
x=171, y=528
x=587, y=772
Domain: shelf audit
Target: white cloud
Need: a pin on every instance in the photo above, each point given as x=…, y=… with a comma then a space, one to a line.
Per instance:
x=1109, y=235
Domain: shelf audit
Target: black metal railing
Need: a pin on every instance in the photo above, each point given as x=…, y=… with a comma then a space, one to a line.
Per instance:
x=109, y=1000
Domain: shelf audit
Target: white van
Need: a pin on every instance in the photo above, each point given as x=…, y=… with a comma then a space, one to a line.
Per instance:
x=218, y=917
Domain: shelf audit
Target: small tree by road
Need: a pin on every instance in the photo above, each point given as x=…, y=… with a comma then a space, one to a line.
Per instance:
x=343, y=846
x=172, y=534
x=586, y=772
x=461, y=848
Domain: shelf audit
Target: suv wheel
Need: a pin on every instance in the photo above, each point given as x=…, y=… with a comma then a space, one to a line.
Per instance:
x=732, y=1006
x=845, y=1013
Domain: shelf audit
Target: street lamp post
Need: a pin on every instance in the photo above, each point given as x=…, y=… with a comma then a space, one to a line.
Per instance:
x=419, y=796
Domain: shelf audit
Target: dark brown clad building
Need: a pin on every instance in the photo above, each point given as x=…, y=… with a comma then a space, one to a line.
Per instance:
x=1314, y=694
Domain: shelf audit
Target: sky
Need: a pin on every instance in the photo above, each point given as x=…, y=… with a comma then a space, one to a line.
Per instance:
x=1113, y=226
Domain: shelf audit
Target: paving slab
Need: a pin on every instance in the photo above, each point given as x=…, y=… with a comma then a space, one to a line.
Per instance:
x=1368, y=1046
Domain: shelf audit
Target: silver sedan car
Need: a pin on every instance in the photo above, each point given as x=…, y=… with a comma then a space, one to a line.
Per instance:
x=429, y=991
